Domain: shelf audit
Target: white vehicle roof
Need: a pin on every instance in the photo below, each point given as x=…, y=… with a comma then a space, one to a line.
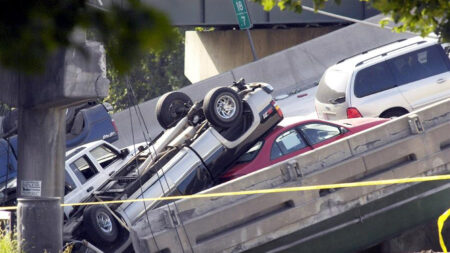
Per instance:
x=89, y=145
x=399, y=46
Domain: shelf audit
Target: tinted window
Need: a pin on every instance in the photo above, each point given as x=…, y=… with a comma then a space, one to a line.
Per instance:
x=83, y=169
x=332, y=85
x=373, y=79
x=70, y=184
x=287, y=143
x=251, y=153
x=418, y=65
x=275, y=152
x=103, y=155
x=198, y=180
x=317, y=132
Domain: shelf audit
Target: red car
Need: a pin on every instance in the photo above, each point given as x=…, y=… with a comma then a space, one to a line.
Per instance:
x=290, y=139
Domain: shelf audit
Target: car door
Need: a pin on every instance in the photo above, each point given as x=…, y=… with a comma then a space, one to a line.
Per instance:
x=106, y=158
x=374, y=90
x=89, y=176
x=286, y=145
x=320, y=133
x=423, y=76
x=71, y=189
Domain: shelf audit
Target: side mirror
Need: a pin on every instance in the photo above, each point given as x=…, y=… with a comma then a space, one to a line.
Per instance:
x=343, y=130
x=124, y=153
x=67, y=188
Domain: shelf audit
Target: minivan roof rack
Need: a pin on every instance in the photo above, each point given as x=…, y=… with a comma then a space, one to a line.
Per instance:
x=385, y=53
x=366, y=51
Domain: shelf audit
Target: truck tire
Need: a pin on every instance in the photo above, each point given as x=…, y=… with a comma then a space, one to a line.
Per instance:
x=99, y=225
x=222, y=107
x=171, y=107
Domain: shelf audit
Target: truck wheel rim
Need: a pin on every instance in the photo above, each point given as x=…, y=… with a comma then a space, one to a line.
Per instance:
x=104, y=222
x=226, y=107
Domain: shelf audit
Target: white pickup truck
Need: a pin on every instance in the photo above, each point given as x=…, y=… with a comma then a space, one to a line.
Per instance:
x=201, y=141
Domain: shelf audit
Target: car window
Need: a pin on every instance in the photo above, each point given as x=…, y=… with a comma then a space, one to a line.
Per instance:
x=373, y=79
x=83, y=169
x=287, y=143
x=317, y=132
x=197, y=180
x=69, y=183
x=251, y=153
x=418, y=65
x=104, y=155
x=332, y=86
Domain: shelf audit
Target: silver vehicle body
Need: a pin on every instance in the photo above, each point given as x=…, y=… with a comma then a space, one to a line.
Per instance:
x=337, y=89
x=210, y=143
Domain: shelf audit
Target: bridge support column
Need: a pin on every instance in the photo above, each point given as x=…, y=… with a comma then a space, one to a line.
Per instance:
x=70, y=77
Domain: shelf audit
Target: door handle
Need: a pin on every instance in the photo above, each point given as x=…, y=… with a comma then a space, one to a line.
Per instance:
x=441, y=80
x=112, y=172
x=90, y=189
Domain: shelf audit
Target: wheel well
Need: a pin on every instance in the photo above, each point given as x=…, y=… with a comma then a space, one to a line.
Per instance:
x=393, y=111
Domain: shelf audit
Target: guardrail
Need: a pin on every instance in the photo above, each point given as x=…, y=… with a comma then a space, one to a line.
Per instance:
x=413, y=145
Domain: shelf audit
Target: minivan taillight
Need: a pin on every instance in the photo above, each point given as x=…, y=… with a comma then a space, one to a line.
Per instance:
x=277, y=108
x=352, y=112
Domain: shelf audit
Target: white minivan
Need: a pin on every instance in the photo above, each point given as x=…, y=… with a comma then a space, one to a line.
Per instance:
x=387, y=81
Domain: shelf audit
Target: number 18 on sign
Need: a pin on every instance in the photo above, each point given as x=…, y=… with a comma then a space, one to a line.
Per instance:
x=243, y=18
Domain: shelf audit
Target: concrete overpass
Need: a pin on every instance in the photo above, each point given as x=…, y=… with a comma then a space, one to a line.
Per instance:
x=224, y=47
x=217, y=13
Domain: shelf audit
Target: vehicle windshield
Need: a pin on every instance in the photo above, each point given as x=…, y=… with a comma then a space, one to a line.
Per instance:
x=251, y=153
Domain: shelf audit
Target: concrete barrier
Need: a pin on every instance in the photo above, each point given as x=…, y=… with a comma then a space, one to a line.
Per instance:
x=272, y=222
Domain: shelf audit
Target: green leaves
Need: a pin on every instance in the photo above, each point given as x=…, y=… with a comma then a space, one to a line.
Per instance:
x=419, y=16
x=156, y=73
x=31, y=30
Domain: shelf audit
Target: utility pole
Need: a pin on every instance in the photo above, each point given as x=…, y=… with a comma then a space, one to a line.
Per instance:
x=69, y=78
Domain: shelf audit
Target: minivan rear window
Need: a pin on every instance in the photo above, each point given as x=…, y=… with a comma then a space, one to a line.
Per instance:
x=373, y=79
x=332, y=85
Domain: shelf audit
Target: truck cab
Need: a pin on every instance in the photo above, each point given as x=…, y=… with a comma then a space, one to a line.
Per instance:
x=88, y=167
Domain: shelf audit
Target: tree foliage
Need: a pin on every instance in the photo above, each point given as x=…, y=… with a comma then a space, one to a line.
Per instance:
x=418, y=16
x=156, y=73
x=31, y=30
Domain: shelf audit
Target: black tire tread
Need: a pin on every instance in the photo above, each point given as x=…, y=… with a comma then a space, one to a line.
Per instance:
x=163, y=104
x=93, y=232
x=394, y=112
x=208, y=106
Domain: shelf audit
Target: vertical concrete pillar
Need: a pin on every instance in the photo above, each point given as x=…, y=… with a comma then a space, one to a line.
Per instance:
x=41, y=179
x=71, y=76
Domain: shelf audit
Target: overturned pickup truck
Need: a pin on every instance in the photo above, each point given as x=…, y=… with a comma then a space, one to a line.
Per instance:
x=201, y=141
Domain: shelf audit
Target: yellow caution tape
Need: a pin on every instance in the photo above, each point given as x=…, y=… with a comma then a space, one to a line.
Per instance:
x=441, y=222
x=263, y=191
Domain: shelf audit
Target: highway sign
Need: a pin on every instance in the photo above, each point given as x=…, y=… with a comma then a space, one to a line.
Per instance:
x=240, y=7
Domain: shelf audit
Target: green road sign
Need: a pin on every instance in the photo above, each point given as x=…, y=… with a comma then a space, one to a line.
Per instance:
x=242, y=16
